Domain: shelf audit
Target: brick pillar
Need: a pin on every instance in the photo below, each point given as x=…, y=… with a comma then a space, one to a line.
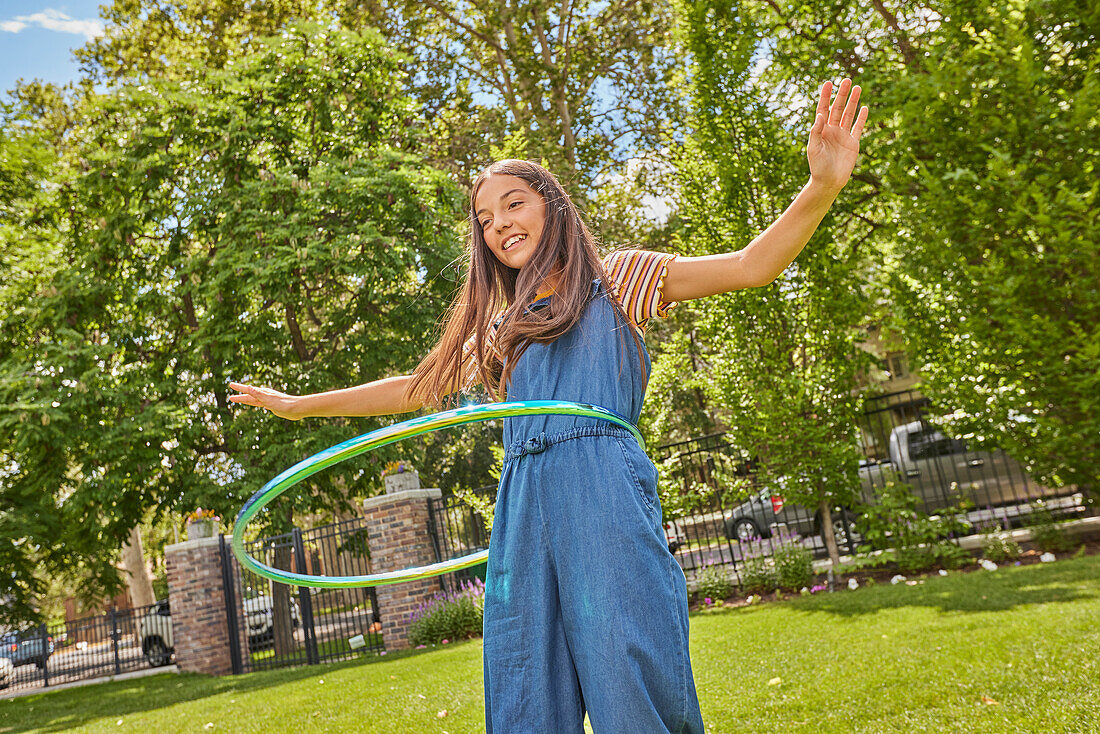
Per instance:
x=397, y=529
x=196, y=593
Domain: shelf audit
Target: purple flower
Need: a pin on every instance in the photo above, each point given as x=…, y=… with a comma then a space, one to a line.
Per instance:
x=708, y=601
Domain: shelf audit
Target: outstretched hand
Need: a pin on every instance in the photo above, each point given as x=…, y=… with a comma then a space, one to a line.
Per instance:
x=834, y=137
x=279, y=403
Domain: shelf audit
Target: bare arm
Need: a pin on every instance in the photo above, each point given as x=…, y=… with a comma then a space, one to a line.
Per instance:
x=760, y=262
x=832, y=150
x=381, y=397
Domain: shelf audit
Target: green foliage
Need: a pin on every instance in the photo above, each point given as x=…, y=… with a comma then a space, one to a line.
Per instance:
x=1046, y=535
x=794, y=567
x=713, y=582
x=269, y=222
x=781, y=360
x=919, y=541
x=568, y=84
x=996, y=164
x=449, y=616
x=998, y=547
x=758, y=575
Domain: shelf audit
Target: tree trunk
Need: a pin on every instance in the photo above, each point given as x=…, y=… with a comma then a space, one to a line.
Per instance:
x=280, y=606
x=138, y=581
x=827, y=532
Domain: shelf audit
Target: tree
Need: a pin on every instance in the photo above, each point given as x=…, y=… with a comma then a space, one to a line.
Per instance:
x=780, y=361
x=997, y=174
x=582, y=85
x=171, y=40
x=986, y=164
x=269, y=221
x=29, y=251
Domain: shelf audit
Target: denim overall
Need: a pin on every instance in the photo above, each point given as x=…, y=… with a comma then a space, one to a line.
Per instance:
x=585, y=608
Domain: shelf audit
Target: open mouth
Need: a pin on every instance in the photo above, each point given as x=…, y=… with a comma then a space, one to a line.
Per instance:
x=513, y=241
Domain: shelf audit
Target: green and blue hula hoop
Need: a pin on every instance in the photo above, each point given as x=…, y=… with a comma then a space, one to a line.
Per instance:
x=382, y=437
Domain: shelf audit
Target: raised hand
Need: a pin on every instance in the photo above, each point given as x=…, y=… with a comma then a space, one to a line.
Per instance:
x=834, y=137
x=279, y=403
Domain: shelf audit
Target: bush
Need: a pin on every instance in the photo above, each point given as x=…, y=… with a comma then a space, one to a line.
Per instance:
x=999, y=547
x=793, y=566
x=712, y=582
x=920, y=541
x=449, y=616
x=1045, y=533
x=758, y=576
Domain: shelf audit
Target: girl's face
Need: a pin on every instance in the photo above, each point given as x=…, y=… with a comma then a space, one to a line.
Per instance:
x=511, y=215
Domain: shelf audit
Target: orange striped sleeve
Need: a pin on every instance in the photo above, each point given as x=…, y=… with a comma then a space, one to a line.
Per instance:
x=469, y=359
x=635, y=278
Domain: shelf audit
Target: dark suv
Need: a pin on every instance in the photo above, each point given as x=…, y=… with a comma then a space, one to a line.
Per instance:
x=23, y=648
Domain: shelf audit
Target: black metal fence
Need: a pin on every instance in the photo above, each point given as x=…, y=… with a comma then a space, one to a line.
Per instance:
x=298, y=625
x=89, y=647
x=728, y=513
x=458, y=527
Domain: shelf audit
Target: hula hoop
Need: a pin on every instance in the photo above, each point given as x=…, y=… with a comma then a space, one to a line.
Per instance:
x=382, y=437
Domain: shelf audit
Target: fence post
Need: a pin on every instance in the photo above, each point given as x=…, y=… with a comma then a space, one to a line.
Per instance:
x=45, y=637
x=229, y=581
x=307, y=601
x=114, y=639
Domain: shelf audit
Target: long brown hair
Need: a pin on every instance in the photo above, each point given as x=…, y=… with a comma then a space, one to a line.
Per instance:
x=566, y=251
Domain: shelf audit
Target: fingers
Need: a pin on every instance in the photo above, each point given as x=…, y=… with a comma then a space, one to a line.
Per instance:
x=844, y=110
x=823, y=100
x=837, y=108
x=857, y=129
x=250, y=395
x=850, y=108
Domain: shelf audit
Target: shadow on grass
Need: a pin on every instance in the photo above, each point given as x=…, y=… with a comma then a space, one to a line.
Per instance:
x=57, y=711
x=972, y=591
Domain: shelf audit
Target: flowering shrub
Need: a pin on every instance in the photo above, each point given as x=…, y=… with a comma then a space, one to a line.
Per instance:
x=1000, y=547
x=757, y=575
x=200, y=514
x=712, y=582
x=919, y=541
x=793, y=566
x=452, y=615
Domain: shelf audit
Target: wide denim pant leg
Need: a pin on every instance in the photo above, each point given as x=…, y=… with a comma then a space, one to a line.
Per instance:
x=585, y=607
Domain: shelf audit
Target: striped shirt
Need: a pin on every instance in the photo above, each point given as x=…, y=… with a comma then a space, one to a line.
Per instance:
x=634, y=277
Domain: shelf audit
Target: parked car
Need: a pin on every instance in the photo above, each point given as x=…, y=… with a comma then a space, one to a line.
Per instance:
x=23, y=648
x=7, y=672
x=920, y=455
x=261, y=625
x=674, y=536
x=923, y=457
x=158, y=643
x=155, y=626
x=756, y=516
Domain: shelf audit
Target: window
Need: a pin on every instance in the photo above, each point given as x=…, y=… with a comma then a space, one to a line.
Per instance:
x=897, y=364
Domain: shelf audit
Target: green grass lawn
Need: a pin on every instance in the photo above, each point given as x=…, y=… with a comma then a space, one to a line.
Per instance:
x=881, y=659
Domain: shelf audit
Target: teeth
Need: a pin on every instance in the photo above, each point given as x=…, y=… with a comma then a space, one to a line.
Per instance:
x=513, y=240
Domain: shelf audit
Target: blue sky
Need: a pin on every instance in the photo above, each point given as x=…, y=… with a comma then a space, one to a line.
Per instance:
x=37, y=38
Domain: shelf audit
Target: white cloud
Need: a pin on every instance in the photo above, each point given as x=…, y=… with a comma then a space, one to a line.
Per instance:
x=54, y=20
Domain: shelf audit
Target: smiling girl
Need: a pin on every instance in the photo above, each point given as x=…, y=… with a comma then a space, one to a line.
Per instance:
x=585, y=608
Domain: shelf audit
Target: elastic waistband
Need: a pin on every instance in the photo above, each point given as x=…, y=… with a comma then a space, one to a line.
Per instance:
x=541, y=442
